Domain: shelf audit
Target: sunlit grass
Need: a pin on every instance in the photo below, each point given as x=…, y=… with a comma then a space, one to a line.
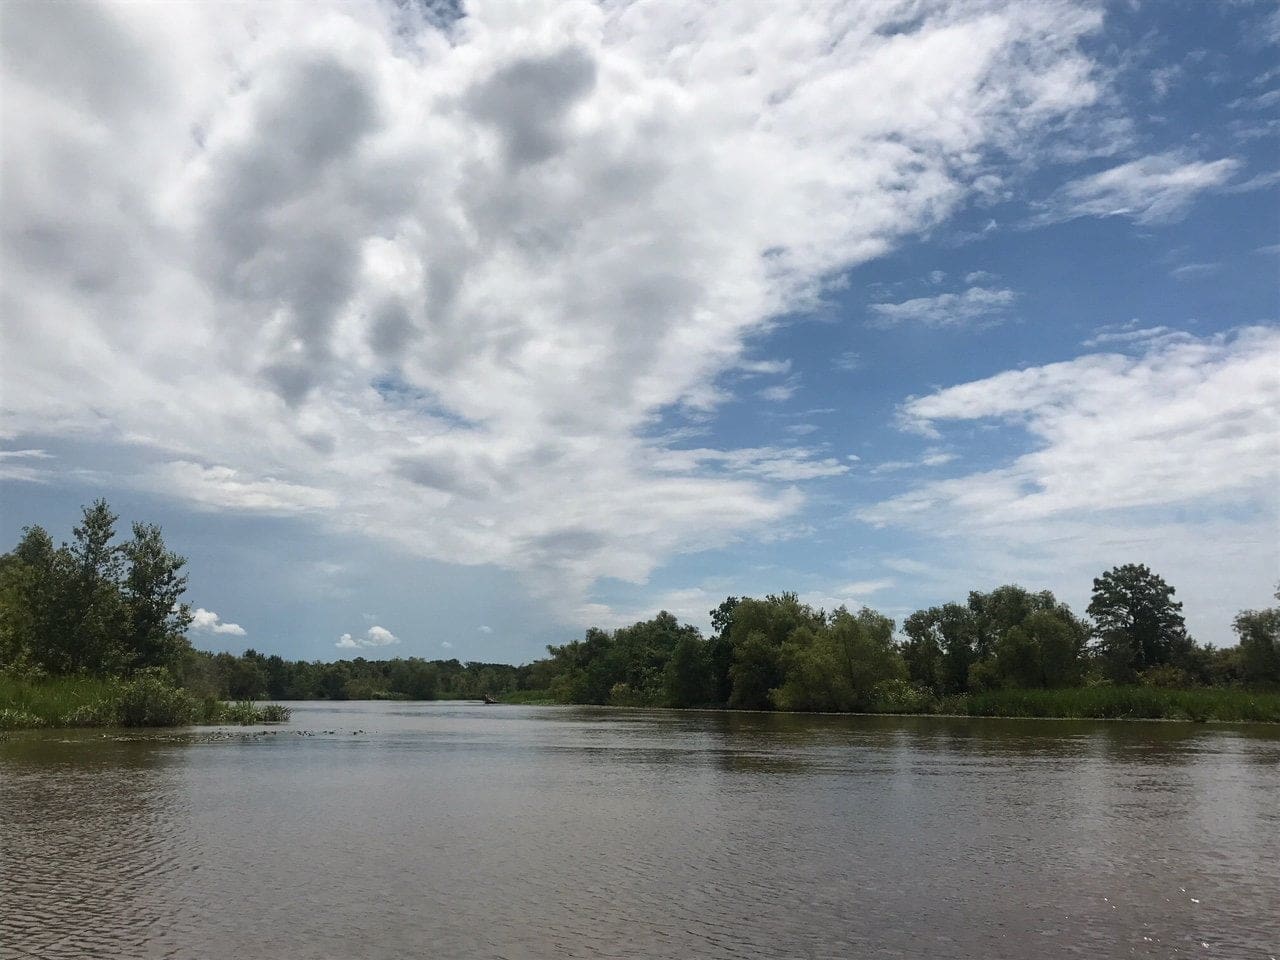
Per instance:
x=145, y=701
x=1131, y=703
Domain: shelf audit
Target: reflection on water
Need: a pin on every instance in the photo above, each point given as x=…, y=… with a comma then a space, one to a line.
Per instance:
x=464, y=831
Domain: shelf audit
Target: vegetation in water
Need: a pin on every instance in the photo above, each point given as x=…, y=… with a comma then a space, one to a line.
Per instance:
x=147, y=700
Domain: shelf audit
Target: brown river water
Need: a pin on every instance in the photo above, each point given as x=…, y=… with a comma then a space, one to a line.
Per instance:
x=385, y=830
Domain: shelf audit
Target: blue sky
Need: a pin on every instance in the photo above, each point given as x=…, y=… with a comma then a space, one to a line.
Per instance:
x=450, y=336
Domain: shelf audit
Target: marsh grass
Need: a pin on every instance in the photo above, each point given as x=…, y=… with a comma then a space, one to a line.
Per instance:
x=147, y=700
x=1122, y=703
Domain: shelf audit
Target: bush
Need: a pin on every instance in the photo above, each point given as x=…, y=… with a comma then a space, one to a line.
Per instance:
x=898, y=696
x=101, y=714
x=151, y=700
x=19, y=720
x=274, y=713
x=244, y=712
x=1166, y=677
x=624, y=695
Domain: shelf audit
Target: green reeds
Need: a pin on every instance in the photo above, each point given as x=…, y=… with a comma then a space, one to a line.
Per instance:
x=147, y=700
x=1122, y=703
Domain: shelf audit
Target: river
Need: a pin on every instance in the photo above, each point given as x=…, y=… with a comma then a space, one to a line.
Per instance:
x=372, y=830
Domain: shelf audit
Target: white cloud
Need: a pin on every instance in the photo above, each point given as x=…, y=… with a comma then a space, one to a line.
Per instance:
x=849, y=360
x=1194, y=271
x=446, y=644
x=484, y=628
x=331, y=261
x=25, y=465
x=1133, y=335
x=1154, y=189
x=947, y=309
x=778, y=393
x=1171, y=456
x=375, y=636
x=206, y=621
x=931, y=458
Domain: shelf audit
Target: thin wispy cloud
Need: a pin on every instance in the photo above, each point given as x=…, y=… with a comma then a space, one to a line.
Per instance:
x=969, y=307
x=1151, y=190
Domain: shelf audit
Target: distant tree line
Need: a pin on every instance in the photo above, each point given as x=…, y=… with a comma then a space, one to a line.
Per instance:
x=96, y=607
x=778, y=653
x=255, y=676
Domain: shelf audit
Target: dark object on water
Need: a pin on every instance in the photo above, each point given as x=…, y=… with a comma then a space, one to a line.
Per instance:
x=490, y=698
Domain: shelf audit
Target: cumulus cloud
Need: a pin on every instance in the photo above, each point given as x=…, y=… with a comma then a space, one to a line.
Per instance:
x=1153, y=189
x=1171, y=456
x=418, y=278
x=206, y=621
x=375, y=636
x=976, y=304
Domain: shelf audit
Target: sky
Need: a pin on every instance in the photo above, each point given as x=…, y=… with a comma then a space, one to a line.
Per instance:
x=451, y=329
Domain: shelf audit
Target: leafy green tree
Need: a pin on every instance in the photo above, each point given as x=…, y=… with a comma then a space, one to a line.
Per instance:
x=1137, y=622
x=1259, y=633
x=89, y=635
x=1045, y=650
x=758, y=630
x=720, y=651
x=837, y=665
x=156, y=619
x=1004, y=608
x=687, y=675
x=958, y=633
x=922, y=650
x=29, y=598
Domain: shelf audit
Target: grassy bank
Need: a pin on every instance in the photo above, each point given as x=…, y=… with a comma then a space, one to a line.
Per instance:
x=149, y=700
x=1122, y=703
x=1226, y=705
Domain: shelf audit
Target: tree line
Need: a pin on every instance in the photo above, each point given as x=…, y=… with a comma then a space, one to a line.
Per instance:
x=96, y=607
x=778, y=653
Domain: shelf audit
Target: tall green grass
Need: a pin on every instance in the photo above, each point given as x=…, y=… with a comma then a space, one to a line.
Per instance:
x=148, y=700
x=1121, y=703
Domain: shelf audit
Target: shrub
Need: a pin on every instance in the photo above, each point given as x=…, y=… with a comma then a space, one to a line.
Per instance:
x=19, y=720
x=274, y=713
x=1167, y=677
x=898, y=696
x=104, y=713
x=151, y=700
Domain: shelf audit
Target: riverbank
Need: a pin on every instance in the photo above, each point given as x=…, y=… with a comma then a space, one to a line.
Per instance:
x=148, y=700
x=1077, y=703
x=1121, y=703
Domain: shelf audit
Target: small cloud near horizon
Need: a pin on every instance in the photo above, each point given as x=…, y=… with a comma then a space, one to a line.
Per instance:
x=375, y=636
x=206, y=621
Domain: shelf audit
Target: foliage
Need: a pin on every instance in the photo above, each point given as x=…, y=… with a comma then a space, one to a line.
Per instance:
x=1259, y=633
x=92, y=606
x=838, y=665
x=758, y=631
x=148, y=699
x=93, y=633
x=1121, y=702
x=1137, y=622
